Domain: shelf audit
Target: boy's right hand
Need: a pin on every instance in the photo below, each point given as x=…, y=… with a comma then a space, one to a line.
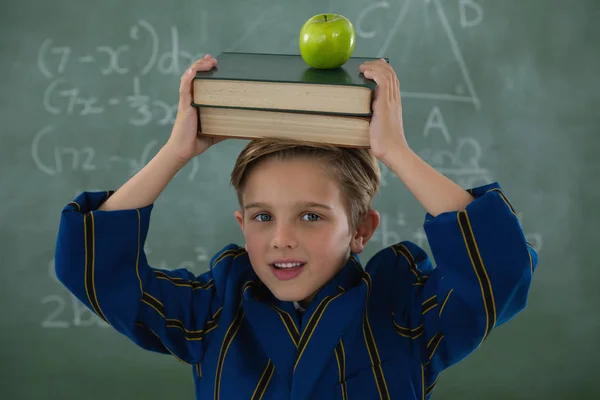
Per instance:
x=185, y=142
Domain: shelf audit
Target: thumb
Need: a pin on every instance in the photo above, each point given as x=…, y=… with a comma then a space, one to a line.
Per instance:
x=185, y=88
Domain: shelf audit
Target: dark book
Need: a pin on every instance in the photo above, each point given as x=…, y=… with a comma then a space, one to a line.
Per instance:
x=284, y=82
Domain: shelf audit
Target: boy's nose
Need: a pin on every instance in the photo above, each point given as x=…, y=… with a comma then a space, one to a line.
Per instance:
x=284, y=237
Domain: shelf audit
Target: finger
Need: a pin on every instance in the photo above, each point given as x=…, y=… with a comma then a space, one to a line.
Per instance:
x=185, y=86
x=204, y=64
x=372, y=64
x=396, y=89
x=383, y=91
x=391, y=80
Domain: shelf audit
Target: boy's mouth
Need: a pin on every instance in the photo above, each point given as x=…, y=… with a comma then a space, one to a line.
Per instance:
x=287, y=270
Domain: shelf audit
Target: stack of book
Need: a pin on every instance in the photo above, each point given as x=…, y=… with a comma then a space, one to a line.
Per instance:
x=254, y=95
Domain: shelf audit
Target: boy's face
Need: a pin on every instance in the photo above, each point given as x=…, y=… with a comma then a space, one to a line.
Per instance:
x=296, y=227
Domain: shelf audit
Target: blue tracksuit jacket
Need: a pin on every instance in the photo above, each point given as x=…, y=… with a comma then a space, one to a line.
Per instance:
x=384, y=331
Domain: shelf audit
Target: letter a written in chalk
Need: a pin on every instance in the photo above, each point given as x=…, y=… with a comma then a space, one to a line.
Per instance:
x=436, y=121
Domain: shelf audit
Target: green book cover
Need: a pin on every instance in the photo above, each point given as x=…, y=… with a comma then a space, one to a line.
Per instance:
x=288, y=68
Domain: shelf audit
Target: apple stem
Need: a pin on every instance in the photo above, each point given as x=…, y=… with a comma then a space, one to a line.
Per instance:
x=325, y=16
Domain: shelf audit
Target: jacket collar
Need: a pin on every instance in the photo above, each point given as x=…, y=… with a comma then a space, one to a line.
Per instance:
x=295, y=349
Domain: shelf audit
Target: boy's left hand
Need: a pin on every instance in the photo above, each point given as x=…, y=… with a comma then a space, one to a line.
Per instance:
x=386, y=131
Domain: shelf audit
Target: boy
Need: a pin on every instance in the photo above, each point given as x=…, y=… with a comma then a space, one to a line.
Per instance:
x=292, y=314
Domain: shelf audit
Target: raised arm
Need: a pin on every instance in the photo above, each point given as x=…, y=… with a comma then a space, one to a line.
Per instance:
x=183, y=144
x=99, y=252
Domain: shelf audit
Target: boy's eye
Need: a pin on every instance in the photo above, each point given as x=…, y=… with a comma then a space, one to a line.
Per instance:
x=262, y=217
x=310, y=217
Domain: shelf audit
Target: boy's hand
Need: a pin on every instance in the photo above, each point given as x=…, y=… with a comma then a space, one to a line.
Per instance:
x=386, y=131
x=185, y=142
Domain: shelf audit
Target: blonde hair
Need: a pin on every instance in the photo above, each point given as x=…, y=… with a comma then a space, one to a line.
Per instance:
x=355, y=170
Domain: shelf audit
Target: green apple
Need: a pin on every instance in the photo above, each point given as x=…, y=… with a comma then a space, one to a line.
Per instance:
x=327, y=41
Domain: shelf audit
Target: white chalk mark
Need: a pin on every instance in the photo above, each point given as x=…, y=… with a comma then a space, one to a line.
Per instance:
x=420, y=237
x=51, y=320
x=86, y=59
x=65, y=53
x=52, y=272
x=252, y=28
x=401, y=15
x=154, y=48
x=437, y=96
x=140, y=103
x=457, y=53
x=164, y=67
x=363, y=14
x=114, y=101
x=464, y=21
x=89, y=106
x=195, y=169
x=35, y=151
x=535, y=240
x=170, y=112
x=113, y=64
x=463, y=163
x=202, y=254
x=465, y=146
x=72, y=95
x=48, y=93
x=79, y=310
x=435, y=120
x=146, y=153
x=40, y=58
x=387, y=236
x=401, y=219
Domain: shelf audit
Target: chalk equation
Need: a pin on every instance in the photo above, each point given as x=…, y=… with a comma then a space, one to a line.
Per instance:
x=56, y=59
x=64, y=98
x=52, y=158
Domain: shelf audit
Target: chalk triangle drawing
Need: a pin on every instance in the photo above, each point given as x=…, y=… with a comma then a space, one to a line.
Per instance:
x=418, y=38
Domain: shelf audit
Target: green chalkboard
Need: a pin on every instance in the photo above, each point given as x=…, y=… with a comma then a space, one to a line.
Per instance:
x=503, y=91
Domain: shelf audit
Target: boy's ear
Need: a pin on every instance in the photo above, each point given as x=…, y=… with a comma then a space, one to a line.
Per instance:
x=239, y=216
x=365, y=229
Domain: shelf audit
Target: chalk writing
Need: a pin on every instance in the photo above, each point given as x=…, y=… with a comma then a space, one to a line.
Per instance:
x=435, y=120
x=53, y=159
x=144, y=108
x=113, y=56
x=173, y=62
x=363, y=14
x=54, y=59
x=472, y=18
x=65, y=314
x=62, y=98
x=465, y=92
x=461, y=165
x=134, y=33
